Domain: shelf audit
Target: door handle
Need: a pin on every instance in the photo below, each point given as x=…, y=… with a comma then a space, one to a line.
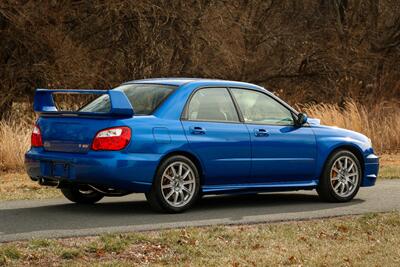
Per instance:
x=260, y=132
x=197, y=130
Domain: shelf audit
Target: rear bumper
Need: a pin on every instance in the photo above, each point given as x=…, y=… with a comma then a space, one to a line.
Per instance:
x=371, y=169
x=131, y=172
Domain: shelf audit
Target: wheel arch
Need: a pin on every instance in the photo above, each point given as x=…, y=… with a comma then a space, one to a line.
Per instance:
x=196, y=161
x=352, y=148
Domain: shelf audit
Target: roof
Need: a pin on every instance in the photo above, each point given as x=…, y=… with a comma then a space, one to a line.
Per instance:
x=168, y=81
x=181, y=81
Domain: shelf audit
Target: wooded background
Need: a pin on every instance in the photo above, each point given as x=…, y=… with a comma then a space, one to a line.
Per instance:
x=306, y=51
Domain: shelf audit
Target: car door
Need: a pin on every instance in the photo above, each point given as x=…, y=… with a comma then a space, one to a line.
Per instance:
x=217, y=136
x=281, y=151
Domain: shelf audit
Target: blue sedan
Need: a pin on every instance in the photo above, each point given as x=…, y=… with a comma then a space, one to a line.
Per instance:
x=177, y=139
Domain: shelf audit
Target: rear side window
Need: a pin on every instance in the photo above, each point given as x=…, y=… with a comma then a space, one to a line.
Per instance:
x=212, y=104
x=144, y=98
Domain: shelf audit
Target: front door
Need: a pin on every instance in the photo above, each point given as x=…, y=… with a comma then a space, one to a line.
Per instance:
x=217, y=137
x=281, y=151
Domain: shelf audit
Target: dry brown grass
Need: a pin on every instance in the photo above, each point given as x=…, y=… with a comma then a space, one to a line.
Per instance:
x=14, y=142
x=381, y=122
x=17, y=185
x=390, y=160
x=367, y=240
x=389, y=166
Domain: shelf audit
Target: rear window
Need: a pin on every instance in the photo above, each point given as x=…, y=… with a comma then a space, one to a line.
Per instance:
x=100, y=104
x=144, y=98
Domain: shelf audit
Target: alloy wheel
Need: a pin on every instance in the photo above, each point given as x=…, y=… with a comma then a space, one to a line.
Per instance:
x=344, y=176
x=178, y=184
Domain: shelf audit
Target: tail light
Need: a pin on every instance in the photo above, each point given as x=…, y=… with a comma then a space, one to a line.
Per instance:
x=112, y=139
x=36, y=137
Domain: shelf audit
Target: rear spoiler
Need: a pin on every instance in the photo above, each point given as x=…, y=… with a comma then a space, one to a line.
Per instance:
x=44, y=103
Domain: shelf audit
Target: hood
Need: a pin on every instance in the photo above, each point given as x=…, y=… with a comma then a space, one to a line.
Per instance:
x=337, y=131
x=314, y=121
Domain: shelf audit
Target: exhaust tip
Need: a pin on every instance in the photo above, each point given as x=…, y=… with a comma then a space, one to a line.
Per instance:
x=48, y=182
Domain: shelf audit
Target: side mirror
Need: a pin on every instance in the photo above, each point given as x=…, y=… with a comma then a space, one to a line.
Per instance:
x=301, y=119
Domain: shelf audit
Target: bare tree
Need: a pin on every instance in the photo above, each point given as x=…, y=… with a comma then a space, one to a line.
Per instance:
x=306, y=50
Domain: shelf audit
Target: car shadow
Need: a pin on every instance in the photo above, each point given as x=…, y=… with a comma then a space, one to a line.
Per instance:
x=291, y=201
x=127, y=212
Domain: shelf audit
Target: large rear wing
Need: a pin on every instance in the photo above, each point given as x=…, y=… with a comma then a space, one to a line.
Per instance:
x=44, y=102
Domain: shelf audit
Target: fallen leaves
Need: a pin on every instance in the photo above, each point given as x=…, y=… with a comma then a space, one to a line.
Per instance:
x=346, y=241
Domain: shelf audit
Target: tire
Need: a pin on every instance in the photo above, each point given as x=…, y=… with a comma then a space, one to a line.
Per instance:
x=81, y=194
x=339, y=183
x=176, y=186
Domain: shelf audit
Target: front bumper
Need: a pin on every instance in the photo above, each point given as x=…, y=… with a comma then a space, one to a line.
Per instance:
x=130, y=172
x=371, y=169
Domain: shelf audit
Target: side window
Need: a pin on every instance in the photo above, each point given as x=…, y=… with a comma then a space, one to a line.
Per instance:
x=261, y=108
x=212, y=104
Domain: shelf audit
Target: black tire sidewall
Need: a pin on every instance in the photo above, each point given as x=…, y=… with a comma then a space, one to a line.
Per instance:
x=72, y=193
x=325, y=186
x=156, y=190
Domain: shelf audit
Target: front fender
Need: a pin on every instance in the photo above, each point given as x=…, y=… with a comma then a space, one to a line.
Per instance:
x=326, y=146
x=330, y=139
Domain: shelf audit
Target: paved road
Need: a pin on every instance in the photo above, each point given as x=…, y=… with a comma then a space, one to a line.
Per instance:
x=59, y=218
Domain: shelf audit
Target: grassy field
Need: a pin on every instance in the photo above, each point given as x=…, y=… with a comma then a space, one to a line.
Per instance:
x=17, y=185
x=390, y=166
x=368, y=240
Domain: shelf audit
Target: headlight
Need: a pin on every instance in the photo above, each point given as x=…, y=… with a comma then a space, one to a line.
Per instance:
x=369, y=142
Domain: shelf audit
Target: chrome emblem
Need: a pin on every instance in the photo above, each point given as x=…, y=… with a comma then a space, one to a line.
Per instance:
x=83, y=145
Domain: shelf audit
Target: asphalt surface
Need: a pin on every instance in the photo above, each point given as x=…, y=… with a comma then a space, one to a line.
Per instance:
x=59, y=218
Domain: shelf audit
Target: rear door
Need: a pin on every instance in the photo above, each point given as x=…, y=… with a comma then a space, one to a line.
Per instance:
x=281, y=151
x=217, y=136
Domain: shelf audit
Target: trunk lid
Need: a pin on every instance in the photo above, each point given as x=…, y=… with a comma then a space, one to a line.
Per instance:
x=74, y=131
x=72, y=135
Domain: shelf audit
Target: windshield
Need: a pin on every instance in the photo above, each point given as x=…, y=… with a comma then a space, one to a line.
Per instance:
x=144, y=98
